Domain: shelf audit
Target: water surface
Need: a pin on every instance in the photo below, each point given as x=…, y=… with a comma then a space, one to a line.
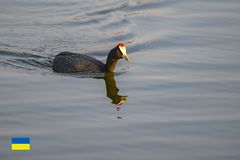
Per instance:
x=181, y=91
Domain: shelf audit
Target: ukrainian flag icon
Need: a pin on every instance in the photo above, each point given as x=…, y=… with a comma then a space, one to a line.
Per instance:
x=20, y=144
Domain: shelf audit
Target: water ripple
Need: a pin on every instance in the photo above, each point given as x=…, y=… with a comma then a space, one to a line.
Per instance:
x=110, y=8
x=24, y=61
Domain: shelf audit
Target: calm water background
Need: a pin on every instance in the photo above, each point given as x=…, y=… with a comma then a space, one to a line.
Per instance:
x=183, y=85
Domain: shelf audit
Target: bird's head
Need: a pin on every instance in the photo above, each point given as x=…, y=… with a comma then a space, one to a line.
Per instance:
x=121, y=52
x=114, y=55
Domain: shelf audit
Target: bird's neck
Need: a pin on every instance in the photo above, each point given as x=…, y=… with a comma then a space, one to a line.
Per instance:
x=111, y=61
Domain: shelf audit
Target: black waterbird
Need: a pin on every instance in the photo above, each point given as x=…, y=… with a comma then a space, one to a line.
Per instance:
x=67, y=62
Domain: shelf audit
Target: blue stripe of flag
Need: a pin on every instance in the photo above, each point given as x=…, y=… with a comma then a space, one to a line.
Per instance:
x=24, y=140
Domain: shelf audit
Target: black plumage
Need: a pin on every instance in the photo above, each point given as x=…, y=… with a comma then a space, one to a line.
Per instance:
x=67, y=62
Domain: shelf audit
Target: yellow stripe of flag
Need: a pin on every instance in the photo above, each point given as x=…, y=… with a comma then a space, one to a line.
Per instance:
x=20, y=147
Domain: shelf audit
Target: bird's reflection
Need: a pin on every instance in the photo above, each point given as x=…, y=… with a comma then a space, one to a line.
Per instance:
x=112, y=92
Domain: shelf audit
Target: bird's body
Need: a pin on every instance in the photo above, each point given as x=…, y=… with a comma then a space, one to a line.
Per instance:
x=67, y=62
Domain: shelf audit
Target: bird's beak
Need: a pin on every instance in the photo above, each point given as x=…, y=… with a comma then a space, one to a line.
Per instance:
x=122, y=48
x=125, y=56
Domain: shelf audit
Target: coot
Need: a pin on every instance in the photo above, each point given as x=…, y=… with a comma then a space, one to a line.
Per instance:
x=67, y=62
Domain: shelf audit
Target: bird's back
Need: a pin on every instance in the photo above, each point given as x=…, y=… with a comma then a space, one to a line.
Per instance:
x=67, y=62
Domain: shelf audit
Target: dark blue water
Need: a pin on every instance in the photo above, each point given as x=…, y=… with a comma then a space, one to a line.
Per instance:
x=180, y=94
